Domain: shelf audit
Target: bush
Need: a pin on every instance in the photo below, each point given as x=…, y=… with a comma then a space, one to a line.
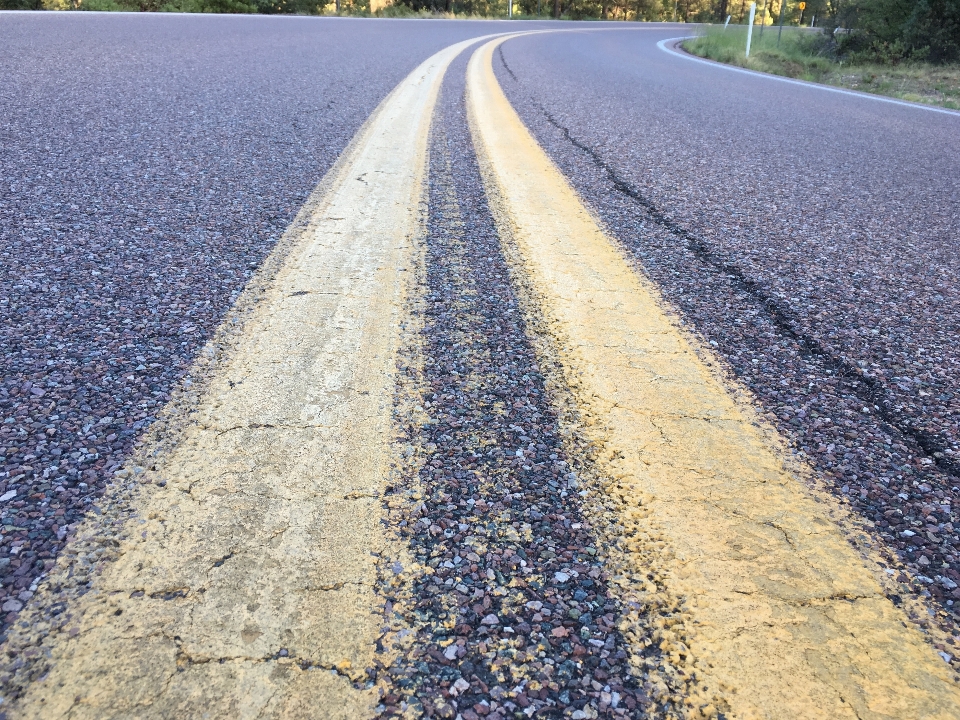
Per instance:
x=890, y=31
x=433, y=8
x=21, y=4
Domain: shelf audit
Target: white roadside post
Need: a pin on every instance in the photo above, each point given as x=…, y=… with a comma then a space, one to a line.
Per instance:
x=510, y=9
x=727, y=22
x=753, y=11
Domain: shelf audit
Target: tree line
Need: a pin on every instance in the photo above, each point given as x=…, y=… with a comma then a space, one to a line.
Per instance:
x=885, y=30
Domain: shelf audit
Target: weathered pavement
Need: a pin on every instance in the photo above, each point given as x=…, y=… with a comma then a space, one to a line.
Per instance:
x=244, y=585
x=516, y=606
x=579, y=517
x=144, y=179
x=779, y=615
x=805, y=236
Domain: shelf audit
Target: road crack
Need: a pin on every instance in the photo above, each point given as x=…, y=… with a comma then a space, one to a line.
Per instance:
x=865, y=387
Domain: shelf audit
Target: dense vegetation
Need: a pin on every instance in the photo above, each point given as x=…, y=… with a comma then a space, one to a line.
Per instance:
x=263, y=7
x=894, y=30
x=886, y=31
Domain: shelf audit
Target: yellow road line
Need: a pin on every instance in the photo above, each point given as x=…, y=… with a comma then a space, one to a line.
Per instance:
x=779, y=616
x=264, y=537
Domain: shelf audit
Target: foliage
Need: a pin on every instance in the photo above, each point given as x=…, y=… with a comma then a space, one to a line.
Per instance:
x=897, y=30
x=398, y=10
x=817, y=57
x=797, y=48
x=21, y=4
x=878, y=31
x=201, y=6
x=459, y=8
x=105, y=6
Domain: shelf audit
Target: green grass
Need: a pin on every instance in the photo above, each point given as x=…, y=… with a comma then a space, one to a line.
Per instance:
x=807, y=55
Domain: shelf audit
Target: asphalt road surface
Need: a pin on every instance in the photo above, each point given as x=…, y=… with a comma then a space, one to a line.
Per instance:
x=149, y=165
x=805, y=234
x=172, y=274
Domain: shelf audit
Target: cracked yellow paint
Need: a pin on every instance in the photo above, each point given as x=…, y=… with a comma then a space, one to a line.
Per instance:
x=777, y=616
x=266, y=535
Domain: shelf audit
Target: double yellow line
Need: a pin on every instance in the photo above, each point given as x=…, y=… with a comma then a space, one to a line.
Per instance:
x=245, y=587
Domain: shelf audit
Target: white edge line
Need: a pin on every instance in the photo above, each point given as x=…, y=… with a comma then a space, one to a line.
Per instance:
x=867, y=96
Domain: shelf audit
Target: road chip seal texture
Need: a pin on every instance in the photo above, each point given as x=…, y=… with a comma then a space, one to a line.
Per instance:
x=245, y=587
x=781, y=617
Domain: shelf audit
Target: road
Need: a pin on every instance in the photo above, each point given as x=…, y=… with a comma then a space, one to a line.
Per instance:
x=803, y=234
x=367, y=446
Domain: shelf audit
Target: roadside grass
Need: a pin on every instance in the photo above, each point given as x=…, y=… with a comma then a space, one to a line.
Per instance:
x=807, y=55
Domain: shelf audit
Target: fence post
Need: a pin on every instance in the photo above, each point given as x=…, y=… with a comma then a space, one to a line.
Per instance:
x=783, y=5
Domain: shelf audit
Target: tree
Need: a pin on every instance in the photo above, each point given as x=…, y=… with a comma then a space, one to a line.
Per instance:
x=21, y=4
x=893, y=30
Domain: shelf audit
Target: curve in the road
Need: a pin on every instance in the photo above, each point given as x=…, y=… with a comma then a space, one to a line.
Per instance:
x=670, y=46
x=246, y=584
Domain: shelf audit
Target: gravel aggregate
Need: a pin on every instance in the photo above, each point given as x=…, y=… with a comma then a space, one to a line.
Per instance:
x=148, y=164
x=807, y=238
x=513, y=617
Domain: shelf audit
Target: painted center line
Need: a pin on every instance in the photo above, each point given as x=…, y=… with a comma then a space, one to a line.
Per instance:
x=776, y=614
